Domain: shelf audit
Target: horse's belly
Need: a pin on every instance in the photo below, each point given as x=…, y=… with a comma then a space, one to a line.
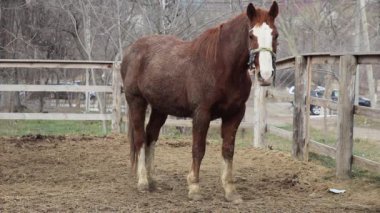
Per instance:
x=175, y=110
x=223, y=110
x=169, y=101
x=171, y=108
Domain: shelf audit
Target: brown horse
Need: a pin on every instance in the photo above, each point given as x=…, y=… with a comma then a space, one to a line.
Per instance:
x=204, y=79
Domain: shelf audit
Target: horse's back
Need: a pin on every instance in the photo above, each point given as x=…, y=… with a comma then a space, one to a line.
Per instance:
x=157, y=68
x=144, y=49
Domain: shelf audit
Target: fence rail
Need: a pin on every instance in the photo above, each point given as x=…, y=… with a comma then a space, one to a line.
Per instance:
x=64, y=64
x=54, y=88
x=55, y=116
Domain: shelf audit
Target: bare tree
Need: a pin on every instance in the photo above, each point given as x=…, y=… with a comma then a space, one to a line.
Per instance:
x=366, y=45
x=99, y=30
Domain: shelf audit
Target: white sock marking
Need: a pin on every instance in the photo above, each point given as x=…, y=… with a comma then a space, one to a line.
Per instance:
x=226, y=172
x=141, y=167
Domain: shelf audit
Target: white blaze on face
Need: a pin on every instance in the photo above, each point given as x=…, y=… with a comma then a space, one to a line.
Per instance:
x=263, y=34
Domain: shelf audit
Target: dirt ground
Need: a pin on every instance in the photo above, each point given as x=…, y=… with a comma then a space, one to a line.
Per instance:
x=82, y=174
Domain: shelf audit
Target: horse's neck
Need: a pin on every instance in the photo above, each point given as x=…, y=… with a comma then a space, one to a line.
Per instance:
x=233, y=48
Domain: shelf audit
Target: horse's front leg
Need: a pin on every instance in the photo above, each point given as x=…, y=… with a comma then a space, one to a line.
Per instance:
x=230, y=125
x=201, y=122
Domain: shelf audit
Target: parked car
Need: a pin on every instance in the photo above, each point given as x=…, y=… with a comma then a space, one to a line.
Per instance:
x=319, y=92
x=314, y=109
x=362, y=100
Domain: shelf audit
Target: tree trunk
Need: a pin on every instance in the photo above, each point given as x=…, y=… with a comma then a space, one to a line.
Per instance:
x=369, y=70
x=357, y=49
x=88, y=48
x=16, y=96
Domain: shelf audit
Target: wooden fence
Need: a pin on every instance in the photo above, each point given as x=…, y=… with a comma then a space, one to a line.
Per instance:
x=63, y=64
x=302, y=144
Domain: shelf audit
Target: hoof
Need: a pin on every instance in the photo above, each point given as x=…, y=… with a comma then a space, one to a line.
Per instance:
x=195, y=196
x=152, y=184
x=234, y=198
x=194, y=192
x=143, y=187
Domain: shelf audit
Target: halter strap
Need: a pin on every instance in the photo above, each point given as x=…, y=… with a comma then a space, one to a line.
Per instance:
x=252, y=54
x=263, y=49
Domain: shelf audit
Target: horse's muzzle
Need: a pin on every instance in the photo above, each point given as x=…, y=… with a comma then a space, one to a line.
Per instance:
x=264, y=82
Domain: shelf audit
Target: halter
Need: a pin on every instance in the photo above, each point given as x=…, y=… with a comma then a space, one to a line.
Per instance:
x=252, y=55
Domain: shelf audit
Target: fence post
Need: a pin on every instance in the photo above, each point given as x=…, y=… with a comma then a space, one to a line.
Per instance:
x=299, y=149
x=116, y=95
x=259, y=115
x=307, y=108
x=347, y=72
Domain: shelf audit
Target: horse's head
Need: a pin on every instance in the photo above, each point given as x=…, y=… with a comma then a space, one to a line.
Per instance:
x=263, y=42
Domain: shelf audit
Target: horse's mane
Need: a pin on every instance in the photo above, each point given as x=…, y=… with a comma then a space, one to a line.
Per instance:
x=206, y=44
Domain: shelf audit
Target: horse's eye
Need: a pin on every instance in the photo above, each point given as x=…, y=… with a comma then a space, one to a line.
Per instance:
x=276, y=36
x=250, y=36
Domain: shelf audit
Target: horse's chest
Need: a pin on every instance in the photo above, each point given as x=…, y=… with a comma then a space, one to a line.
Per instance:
x=233, y=100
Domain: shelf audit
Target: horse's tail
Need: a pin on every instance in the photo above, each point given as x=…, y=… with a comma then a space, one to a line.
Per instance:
x=131, y=138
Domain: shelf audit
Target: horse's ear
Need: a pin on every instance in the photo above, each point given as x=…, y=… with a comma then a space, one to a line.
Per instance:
x=251, y=11
x=273, y=11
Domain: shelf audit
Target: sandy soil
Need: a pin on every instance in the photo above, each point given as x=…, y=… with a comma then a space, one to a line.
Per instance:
x=41, y=174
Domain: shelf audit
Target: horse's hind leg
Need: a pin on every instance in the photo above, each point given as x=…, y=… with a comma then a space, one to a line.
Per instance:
x=229, y=127
x=137, y=108
x=155, y=123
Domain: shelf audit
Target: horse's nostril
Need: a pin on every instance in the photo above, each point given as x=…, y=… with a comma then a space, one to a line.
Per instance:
x=259, y=76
